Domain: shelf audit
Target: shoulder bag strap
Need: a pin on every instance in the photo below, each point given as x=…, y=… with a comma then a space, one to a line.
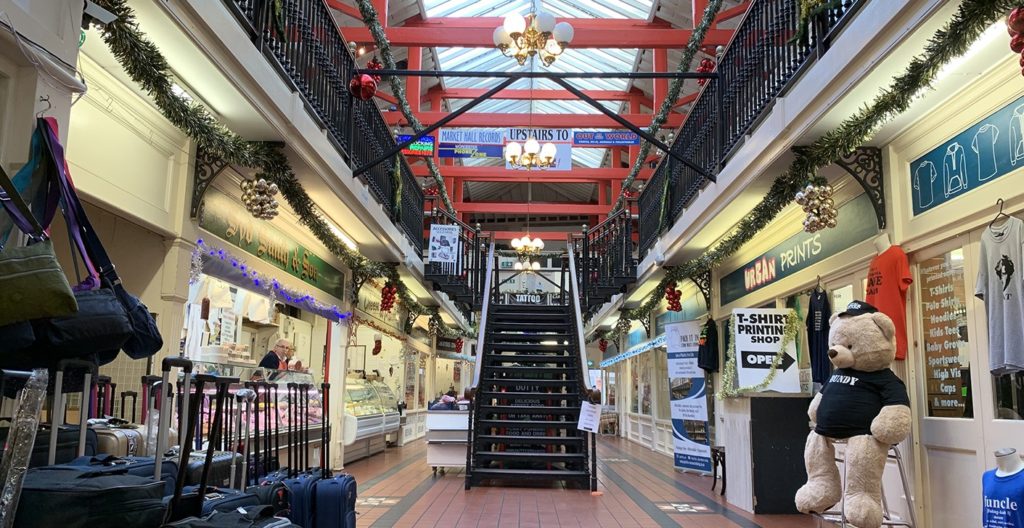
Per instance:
x=15, y=205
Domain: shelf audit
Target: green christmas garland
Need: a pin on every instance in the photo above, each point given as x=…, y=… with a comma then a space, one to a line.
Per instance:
x=144, y=63
x=949, y=42
x=730, y=381
x=676, y=86
x=372, y=21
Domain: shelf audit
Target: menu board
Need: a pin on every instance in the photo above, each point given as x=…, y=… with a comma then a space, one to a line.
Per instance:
x=944, y=325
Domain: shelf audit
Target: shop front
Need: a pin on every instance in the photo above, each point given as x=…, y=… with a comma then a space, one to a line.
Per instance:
x=262, y=306
x=957, y=201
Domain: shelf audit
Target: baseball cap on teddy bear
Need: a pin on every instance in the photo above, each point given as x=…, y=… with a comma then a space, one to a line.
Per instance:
x=858, y=308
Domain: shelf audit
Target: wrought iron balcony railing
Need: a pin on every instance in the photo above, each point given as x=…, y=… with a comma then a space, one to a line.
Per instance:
x=303, y=43
x=759, y=65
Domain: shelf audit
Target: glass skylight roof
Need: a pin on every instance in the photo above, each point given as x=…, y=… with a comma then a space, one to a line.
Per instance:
x=559, y=8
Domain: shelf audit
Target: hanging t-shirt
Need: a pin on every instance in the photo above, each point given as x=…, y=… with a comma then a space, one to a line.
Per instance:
x=1002, y=500
x=818, y=315
x=888, y=280
x=707, y=352
x=851, y=399
x=999, y=284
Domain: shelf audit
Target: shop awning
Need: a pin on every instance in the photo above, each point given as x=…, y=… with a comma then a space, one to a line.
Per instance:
x=635, y=350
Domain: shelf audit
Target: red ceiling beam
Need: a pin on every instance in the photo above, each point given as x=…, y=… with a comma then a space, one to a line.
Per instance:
x=492, y=120
x=577, y=23
x=539, y=95
x=732, y=12
x=533, y=208
x=351, y=11
x=502, y=174
x=626, y=37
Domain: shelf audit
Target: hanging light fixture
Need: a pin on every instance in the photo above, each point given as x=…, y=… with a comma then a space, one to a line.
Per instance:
x=531, y=154
x=522, y=37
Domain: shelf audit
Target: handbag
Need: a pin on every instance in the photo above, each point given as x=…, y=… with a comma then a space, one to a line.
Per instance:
x=143, y=338
x=32, y=283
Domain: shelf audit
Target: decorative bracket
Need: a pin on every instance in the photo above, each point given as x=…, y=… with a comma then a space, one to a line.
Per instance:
x=865, y=165
x=703, y=282
x=208, y=166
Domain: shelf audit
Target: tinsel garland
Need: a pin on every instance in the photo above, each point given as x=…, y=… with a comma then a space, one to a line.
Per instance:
x=359, y=321
x=729, y=388
x=692, y=47
x=950, y=41
x=264, y=284
x=144, y=63
x=372, y=21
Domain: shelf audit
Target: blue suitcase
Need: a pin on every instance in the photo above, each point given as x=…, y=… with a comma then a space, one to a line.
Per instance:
x=334, y=502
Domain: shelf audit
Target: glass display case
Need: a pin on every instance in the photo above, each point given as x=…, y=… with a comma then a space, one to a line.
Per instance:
x=375, y=408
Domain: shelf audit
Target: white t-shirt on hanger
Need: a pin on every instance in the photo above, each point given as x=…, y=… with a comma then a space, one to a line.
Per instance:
x=1001, y=286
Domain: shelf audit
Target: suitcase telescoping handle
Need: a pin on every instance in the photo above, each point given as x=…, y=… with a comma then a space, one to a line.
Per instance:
x=22, y=377
x=135, y=401
x=177, y=510
x=246, y=396
x=222, y=383
x=167, y=407
x=325, y=431
x=148, y=407
x=58, y=404
x=293, y=440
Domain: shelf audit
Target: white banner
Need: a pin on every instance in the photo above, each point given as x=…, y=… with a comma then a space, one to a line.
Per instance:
x=758, y=335
x=444, y=243
x=688, y=397
x=560, y=137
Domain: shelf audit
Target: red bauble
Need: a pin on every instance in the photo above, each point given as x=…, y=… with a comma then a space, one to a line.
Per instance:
x=603, y=345
x=363, y=87
x=375, y=64
x=458, y=346
x=1017, y=43
x=1016, y=20
x=1022, y=61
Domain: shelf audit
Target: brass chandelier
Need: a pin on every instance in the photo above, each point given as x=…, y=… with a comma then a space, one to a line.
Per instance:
x=530, y=155
x=536, y=34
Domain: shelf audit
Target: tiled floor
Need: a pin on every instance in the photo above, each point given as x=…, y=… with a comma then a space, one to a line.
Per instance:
x=397, y=489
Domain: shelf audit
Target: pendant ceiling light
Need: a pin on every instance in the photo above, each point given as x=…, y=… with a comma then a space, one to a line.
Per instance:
x=536, y=34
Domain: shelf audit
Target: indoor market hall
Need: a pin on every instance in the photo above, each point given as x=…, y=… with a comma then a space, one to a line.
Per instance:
x=512, y=263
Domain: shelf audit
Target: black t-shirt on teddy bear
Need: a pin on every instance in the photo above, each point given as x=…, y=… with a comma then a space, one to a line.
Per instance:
x=851, y=399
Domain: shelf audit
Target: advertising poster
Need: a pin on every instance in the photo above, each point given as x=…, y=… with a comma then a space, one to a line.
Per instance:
x=688, y=397
x=560, y=137
x=758, y=335
x=470, y=143
x=444, y=243
x=609, y=138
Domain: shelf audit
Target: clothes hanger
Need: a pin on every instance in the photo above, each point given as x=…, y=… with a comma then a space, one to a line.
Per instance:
x=49, y=105
x=999, y=214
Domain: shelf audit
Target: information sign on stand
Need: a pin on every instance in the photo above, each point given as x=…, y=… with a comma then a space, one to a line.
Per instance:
x=688, y=397
x=590, y=417
x=758, y=334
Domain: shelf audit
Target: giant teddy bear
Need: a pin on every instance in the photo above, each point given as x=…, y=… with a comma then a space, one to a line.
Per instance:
x=863, y=403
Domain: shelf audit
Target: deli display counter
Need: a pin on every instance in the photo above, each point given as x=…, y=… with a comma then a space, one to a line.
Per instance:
x=373, y=407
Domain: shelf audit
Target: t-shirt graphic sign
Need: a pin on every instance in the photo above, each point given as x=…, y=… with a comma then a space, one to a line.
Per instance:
x=758, y=334
x=986, y=150
x=444, y=243
x=688, y=397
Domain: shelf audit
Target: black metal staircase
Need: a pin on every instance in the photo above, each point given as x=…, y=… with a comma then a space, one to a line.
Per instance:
x=528, y=399
x=605, y=259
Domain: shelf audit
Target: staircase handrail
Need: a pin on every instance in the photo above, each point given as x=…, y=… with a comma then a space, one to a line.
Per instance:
x=455, y=220
x=486, y=304
x=578, y=319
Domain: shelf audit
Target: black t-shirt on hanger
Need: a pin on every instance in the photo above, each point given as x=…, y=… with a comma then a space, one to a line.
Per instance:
x=707, y=353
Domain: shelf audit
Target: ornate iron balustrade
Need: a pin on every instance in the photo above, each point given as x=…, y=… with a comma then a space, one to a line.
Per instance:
x=304, y=45
x=605, y=259
x=462, y=274
x=758, y=66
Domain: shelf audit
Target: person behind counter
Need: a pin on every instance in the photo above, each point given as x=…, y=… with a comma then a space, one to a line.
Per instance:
x=279, y=357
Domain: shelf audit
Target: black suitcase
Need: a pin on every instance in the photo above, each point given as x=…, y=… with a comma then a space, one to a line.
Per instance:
x=67, y=444
x=220, y=469
x=77, y=496
x=248, y=516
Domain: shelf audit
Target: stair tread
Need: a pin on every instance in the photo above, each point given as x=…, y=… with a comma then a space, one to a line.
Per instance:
x=516, y=454
x=533, y=409
x=527, y=423
x=540, y=395
x=528, y=472
x=510, y=439
x=526, y=358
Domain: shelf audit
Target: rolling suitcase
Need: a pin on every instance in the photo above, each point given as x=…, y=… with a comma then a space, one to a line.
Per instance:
x=334, y=497
x=66, y=495
x=117, y=437
x=248, y=516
